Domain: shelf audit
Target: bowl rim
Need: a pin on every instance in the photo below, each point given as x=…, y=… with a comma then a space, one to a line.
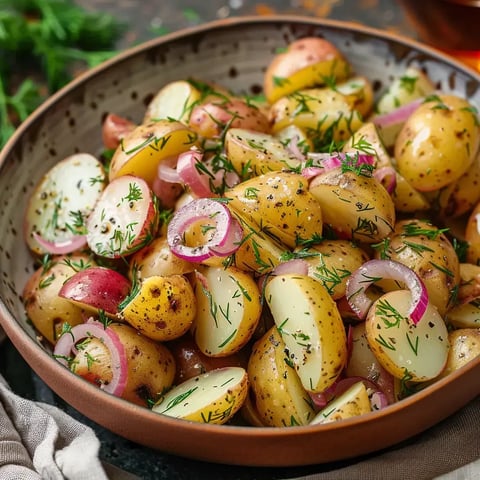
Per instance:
x=37, y=355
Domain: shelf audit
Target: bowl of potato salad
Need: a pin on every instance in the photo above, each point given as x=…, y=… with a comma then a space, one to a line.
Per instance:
x=253, y=242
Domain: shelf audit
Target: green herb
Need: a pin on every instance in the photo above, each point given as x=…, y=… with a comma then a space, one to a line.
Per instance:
x=46, y=40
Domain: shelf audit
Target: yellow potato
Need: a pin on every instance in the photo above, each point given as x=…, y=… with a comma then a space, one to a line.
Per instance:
x=425, y=249
x=280, y=204
x=173, y=101
x=49, y=312
x=438, y=142
x=142, y=150
x=359, y=92
x=472, y=235
x=351, y=403
x=228, y=310
x=323, y=113
x=278, y=394
x=292, y=136
x=367, y=140
x=162, y=308
x=311, y=327
x=157, y=259
x=408, y=351
x=356, y=206
x=213, y=397
x=307, y=62
x=464, y=347
x=332, y=262
x=253, y=153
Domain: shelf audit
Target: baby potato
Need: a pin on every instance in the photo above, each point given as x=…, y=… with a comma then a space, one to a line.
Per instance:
x=472, y=236
x=213, y=397
x=367, y=140
x=408, y=351
x=311, y=327
x=464, y=347
x=351, y=403
x=278, y=395
x=356, y=206
x=212, y=117
x=323, y=113
x=254, y=153
x=359, y=92
x=332, y=262
x=49, y=312
x=173, y=101
x=307, y=62
x=228, y=310
x=157, y=259
x=280, y=204
x=151, y=366
x=438, y=142
x=141, y=151
x=162, y=308
x=425, y=249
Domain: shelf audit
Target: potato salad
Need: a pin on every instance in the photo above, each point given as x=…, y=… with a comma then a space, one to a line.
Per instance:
x=300, y=257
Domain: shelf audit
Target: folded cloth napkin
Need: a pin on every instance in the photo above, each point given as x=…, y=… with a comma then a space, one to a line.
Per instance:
x=447, y=451
x=39, y=441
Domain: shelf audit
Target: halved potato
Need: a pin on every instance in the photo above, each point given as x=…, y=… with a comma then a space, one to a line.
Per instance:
x=311, y=327
x=213, y=397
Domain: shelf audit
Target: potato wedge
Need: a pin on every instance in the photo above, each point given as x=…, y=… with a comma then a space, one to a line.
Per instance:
x=351, y=403
x=213, y=397
x=278, y=395
x=311, y=327
x=228, y=310
x=408, y=351
x=464, y=347
x=162, y=308
x=356, y=206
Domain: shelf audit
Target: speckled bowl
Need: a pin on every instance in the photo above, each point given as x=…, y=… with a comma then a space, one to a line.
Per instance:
x=233, y=53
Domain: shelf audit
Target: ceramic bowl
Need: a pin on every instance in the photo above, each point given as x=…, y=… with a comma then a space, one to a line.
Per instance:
x=233, y=53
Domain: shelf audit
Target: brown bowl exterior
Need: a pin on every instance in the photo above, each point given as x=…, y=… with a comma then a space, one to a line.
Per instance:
x=233, y=53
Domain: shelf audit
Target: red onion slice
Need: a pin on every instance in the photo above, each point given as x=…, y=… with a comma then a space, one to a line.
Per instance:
x=61, y=247
x=167, y=173
x=225, y=239
x=296, y=266
x=387, y=176
x=374, y=270
x=399, y=115
x=92, y=328
x=189, y=173
x=324, y=162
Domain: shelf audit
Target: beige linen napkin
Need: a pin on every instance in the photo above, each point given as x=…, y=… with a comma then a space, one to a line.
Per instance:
x=39, y=441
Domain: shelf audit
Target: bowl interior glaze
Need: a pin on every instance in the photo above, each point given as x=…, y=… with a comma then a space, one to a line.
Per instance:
x=233, y=53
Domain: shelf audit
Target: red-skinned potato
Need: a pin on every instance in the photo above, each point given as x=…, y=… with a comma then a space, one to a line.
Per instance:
x=210, y=118
x=114, y=128
x=307, y=62
x=151, y=366
x=96, y=288
x=190, y=361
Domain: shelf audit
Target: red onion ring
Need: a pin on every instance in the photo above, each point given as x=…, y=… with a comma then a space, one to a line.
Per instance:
x=325, y=162
x=371, y=271
x=167, y=173
x=61, y=247
x=189, y=174
x=225, y=240
x=294, y=149
x=93, y=328
x=399, y=115
x=387, y=176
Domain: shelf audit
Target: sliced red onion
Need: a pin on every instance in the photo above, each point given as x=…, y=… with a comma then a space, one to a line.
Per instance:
x=378, y=400
x=294, y=148
x=387, y=176
x=61, y=247
x=92, y=328
x=167, y=173
x=311, y=172
x=296, y=266
x=224, y=241
x=374, y=270
x=189, y=174
x=399, y=115
x=324, y=162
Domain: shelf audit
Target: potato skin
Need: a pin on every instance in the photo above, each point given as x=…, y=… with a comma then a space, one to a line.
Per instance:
x=151, y=366
x=45, y=308
x=438, y=143
x=464, y=347
x=163, y=309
